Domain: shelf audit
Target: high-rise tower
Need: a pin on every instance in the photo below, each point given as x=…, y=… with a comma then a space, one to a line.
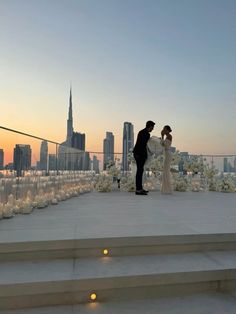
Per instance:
x=108, y=149
x=71, y=152
x=1, y=159
x=128, y=143
x=70, y=129
x=44, y=155
x=22, y=158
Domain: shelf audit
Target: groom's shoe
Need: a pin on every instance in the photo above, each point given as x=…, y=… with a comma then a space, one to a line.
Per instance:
x=140, y=192
x=145, y=191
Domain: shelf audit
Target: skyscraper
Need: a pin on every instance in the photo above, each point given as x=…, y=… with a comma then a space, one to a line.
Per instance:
x=78, y=140
x=44, y=155
x=70, y=129
x=95, y=164
x=85, y=162
x=70, y=155
x=22, y=158
x=128, y=143
x=108, y=149
x=52, y=162
x=1, y=159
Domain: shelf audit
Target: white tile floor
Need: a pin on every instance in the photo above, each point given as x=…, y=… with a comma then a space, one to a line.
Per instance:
x=124, y=214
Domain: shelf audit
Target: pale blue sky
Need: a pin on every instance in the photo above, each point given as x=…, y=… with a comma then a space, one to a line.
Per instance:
x=172, y=61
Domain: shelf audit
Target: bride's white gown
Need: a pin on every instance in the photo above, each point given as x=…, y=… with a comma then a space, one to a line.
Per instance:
x=166, y=187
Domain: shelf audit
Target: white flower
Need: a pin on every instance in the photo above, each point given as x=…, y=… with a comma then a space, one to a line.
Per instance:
x=227, y=184
x=104, y=183
x=180, y=184
x=128, y=183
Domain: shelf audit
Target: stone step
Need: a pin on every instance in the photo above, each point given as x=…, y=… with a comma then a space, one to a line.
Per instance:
x=207, y=303
x=71, y=281
x=117, y=246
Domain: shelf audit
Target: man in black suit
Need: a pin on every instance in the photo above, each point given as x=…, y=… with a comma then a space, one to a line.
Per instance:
x=140, y=155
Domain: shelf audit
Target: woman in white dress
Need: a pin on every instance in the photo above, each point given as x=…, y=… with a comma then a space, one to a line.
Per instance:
x=166, y=137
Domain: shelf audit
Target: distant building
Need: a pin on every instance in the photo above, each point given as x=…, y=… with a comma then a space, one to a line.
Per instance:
x=108, y=149
x=71, y=151
x=231, y=168
x=78, y=140
x=44, y=156
x=70, y=129
x=95, y=164
x=184, y=156
x=1, y=159
x=52, y=162
x=85, y=162
x=22, y=158
x=128, y=144
x=38, y=165
x=226, y=165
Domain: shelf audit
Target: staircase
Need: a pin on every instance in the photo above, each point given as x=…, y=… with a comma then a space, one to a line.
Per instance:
x=64, y=272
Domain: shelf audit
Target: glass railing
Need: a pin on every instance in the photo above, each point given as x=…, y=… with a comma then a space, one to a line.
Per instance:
x=36, y=172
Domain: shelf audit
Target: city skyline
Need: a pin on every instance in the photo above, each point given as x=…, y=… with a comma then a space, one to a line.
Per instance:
x=70, y=158
x=127, y=61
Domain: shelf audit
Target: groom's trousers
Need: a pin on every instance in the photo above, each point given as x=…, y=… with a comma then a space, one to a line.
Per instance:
x=140, y=161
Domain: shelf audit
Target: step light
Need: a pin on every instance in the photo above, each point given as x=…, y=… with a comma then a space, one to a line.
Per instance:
x=93, y=296
x=105, y=252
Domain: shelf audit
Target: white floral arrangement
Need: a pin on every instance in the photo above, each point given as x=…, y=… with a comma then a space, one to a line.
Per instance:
x=195, y=186
x=130, y=157
x=7, y=209
x=180, y=184
x=128, y=183
x=113, y=170
x=213, y=184
x=152, y=183
x=227, y=185
x=194, y=164
x=175, y=158
x=155, y=164
x=104, y=183
x=21, y=195
x=210, y=172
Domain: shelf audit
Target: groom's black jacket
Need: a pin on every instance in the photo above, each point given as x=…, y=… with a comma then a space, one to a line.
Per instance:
x=140, y=148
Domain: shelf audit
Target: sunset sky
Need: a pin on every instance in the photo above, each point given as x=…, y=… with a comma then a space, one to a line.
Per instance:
x=127, y=60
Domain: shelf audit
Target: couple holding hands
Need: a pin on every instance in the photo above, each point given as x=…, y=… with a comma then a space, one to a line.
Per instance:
x=146, y=145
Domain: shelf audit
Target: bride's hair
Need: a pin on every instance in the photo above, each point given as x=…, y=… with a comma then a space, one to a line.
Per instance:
x=168, y=128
